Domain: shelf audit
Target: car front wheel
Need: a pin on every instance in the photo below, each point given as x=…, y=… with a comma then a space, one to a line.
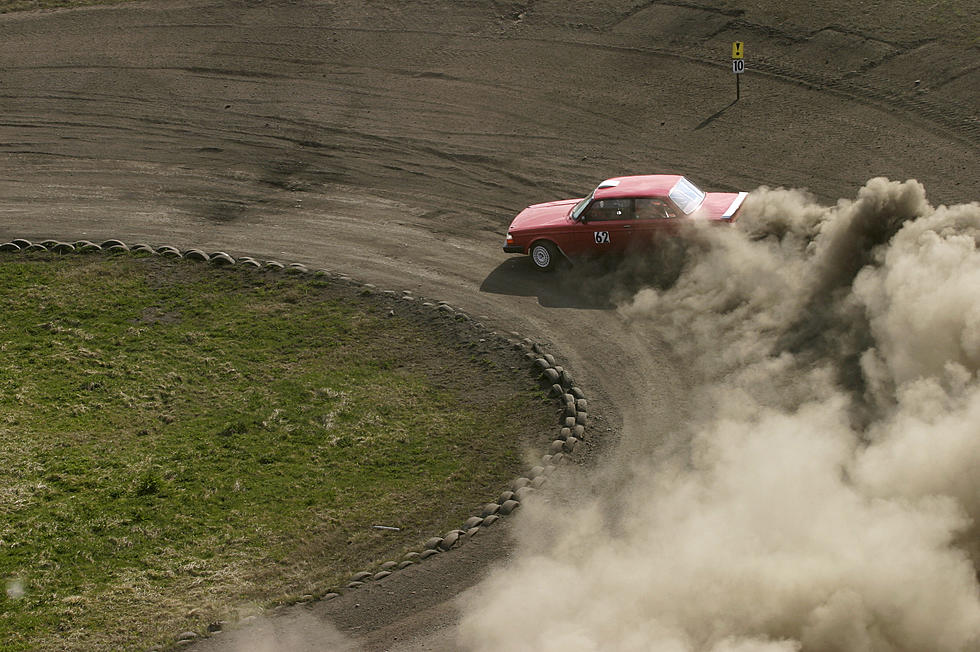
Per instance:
x=544, y=255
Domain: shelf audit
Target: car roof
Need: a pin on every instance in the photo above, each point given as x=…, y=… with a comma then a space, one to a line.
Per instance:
x=644, y=185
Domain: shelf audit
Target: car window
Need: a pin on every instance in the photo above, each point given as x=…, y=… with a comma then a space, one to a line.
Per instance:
x=603, y=210
x=686, y=195
x=580, y=207
x=652, y=208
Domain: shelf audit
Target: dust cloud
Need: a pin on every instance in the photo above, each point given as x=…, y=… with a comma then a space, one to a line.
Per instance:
x=295, y=632
x=826, y=493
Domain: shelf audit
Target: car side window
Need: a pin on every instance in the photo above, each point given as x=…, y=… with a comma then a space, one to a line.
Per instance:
x=604, y=210
x=652, y=208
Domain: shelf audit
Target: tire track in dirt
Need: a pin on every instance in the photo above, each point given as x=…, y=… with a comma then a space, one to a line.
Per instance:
x=364, y=143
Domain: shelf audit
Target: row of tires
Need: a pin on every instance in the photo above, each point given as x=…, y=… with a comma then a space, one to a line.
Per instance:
x=573, y=406
x=116, y=246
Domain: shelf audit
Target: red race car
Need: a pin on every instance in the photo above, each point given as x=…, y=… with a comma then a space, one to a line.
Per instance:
x=622, y=214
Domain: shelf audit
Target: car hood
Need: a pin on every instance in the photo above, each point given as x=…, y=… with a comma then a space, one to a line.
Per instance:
x=552, y=213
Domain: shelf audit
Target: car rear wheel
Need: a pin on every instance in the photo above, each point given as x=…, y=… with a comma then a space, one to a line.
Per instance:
x=544, y=255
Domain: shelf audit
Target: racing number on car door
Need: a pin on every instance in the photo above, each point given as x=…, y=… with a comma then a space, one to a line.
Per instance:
x=608, y=224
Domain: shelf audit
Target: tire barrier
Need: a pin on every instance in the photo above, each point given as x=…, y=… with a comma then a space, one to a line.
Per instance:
x=555, y=380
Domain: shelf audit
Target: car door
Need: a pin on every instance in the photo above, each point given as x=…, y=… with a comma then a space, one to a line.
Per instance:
x=607, y=226
x=656, y=218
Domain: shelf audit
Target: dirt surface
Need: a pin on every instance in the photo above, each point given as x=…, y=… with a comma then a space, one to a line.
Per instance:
x=395, y=140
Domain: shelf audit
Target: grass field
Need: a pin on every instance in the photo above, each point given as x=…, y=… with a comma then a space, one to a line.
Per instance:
x=182, y=445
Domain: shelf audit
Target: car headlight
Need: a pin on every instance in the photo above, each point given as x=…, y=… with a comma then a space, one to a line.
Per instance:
x=510, y=238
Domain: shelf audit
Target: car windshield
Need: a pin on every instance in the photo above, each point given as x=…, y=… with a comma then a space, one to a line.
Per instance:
x=576, y=213
x=686, y=196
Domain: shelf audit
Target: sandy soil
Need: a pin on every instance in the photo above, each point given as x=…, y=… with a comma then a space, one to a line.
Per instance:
x=395, y=140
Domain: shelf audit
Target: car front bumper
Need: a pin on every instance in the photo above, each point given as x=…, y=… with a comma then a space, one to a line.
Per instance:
x=513, y=249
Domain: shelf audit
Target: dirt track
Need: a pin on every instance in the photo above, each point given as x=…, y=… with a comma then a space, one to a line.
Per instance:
x=395, y=141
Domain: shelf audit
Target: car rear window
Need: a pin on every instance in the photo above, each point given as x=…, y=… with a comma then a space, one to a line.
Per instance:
x=686, y=196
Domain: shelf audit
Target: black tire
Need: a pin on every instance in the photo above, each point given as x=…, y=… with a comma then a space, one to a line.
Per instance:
x=544, y=255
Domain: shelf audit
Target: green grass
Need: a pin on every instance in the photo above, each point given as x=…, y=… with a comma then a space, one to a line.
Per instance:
x=181, y=445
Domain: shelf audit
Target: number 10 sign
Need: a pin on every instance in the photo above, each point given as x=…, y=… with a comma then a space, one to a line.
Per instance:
x=738, y=65
x=738, y=57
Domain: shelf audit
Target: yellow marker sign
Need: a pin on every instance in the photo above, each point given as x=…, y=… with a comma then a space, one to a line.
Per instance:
x=736, y=50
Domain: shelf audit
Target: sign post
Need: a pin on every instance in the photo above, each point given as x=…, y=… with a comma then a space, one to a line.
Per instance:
x=738, y=66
